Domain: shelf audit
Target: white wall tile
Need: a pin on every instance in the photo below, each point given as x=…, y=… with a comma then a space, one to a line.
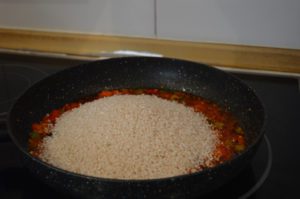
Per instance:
x=126, y=17
x=256, y=22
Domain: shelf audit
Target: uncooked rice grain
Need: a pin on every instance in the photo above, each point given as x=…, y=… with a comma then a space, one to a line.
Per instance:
x=130, y=137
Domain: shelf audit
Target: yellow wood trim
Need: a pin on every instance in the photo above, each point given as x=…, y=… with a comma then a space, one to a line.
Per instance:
x=235, y=56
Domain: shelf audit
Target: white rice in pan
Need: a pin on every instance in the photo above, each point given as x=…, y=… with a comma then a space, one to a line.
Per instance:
x=130, y=137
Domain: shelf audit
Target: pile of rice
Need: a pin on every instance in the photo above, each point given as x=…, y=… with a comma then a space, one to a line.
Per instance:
x=130, y=137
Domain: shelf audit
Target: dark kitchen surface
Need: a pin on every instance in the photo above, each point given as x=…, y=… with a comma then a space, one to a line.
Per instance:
x=280, y=96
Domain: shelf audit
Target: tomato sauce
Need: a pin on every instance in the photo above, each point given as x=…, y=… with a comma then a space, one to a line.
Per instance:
x=231, y=136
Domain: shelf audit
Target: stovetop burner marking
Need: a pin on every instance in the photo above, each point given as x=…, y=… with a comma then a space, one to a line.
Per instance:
x=265, y=174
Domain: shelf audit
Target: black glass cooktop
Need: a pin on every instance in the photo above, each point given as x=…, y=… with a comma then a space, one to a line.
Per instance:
x=273, y=173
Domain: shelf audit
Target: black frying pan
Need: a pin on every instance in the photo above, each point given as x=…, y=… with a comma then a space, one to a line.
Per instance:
x=137, y=72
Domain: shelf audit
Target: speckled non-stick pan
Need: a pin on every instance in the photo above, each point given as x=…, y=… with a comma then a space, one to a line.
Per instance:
x=137, y=72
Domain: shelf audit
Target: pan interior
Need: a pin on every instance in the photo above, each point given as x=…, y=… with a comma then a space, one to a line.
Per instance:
x=84, y=80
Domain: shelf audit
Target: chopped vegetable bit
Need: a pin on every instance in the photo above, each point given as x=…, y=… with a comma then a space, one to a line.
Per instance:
x=239, y=130
x=106, y=93
x=151, y=91
x=239, y=147
x=34, y=135
x=219, y=125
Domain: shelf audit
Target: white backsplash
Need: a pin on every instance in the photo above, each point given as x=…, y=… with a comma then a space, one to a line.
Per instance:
x=251, y=22
x=126, y=17
x=274, y=23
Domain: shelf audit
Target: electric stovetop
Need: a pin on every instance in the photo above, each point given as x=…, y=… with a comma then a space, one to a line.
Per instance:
x=273, y=173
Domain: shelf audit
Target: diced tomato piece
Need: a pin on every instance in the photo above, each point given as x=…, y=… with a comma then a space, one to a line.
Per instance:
x=46, y=118
x=116, y=92
x=41, y=128
x=70, y=106
x=238, y=139
x=241, y=140
x=54, y=115
x=37, y=128
x=223, y=153
x=125, y=91
x=34, y=143
x=74, y=105
x=165, y=95
x=151, y=91
x=199, y=107
x=105, y=93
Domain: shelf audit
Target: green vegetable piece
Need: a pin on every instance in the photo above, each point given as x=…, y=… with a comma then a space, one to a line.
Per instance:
x=239, y=148
x=34, y=135
x=219, y=125
x=239, y=130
